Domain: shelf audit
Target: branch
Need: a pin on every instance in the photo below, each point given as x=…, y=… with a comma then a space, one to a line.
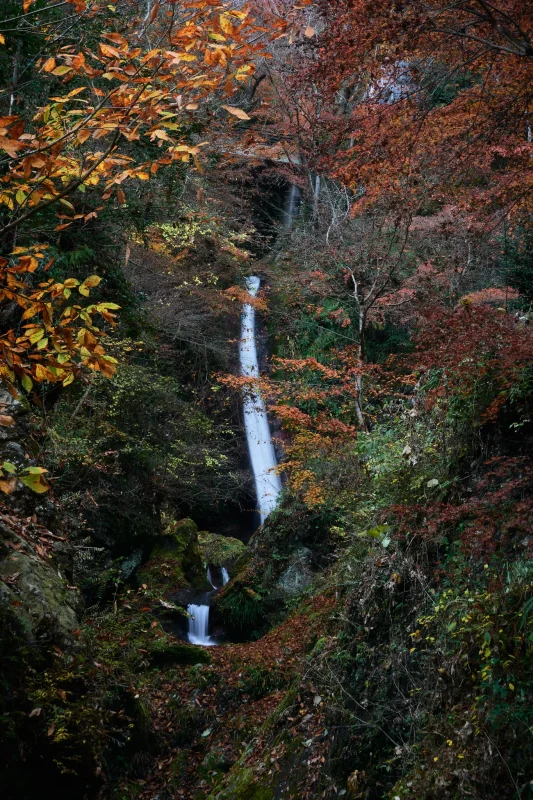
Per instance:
x=66, y=191
x=36, y=11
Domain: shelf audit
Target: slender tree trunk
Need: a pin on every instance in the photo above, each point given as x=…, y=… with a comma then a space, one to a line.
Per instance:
x=15, y=80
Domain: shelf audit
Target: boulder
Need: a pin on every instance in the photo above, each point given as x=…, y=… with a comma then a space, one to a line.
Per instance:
x=176, y=561
x=220, y=551
x=168, y=651
x=298, y=575
x=36, y=595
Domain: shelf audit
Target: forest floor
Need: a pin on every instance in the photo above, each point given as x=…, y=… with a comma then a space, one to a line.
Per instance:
x=208, y=717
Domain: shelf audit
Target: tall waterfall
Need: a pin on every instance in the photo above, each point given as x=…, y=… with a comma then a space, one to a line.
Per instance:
x=262, y=456
x=292, y=207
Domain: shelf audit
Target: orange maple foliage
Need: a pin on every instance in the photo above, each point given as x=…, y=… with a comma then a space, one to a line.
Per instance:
x=142, y=81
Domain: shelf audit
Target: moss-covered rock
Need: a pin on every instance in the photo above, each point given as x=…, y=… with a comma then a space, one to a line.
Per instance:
x=242, y=784
x=38, y=597
x=176, y=561
x=220, y=551
x=240, y=608
x=168, y=651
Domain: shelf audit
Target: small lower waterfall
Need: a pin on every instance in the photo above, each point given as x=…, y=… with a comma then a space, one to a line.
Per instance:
x=199, y=613
x=262, y=455
x=199, y=625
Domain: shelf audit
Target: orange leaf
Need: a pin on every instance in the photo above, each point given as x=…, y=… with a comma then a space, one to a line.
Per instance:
x=8, y=486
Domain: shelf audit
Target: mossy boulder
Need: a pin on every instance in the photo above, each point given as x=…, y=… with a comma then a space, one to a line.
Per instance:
x=176, y=561
x=240, y=608
x=35, y=594
x=298, y=575
x=220, y=551
x=168, y=651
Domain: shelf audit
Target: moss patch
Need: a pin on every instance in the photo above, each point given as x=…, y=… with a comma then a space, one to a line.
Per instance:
x=221, y=551
x=176, y=561
x=167, y=651
x=242, y=785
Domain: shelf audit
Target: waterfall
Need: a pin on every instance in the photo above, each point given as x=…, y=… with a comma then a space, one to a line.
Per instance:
x=210, y=577
x=262, y=456
x=199, y=625
x=225, y=576
x=292, y=206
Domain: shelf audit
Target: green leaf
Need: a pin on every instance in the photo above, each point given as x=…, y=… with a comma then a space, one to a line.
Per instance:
x=9, y=467
x=35, y=482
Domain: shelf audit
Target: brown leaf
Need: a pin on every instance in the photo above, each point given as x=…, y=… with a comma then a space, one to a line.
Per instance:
x=237, y=112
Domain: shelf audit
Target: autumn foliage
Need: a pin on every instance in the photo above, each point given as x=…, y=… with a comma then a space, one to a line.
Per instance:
x=123, y=99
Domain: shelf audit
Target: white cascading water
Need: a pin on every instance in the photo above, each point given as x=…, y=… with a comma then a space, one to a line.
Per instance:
x=292, y=207
x=262, y=455
x=210, y=577
x=199, y=614
x=199, y=625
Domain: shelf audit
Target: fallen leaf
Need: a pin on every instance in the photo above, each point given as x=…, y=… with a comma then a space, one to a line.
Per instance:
x=237, y=112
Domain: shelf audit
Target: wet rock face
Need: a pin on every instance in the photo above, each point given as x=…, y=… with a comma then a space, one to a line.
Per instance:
x=298, y=574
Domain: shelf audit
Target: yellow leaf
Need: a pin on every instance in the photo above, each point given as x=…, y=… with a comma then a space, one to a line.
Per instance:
x=61, y=70
x=35, y=482
x=43, y=374
x=88, y=283
x=2, y=39
x=36, y=335
x=226, y=24
x=237, y=112
x=68, y=380
x=49, y=65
